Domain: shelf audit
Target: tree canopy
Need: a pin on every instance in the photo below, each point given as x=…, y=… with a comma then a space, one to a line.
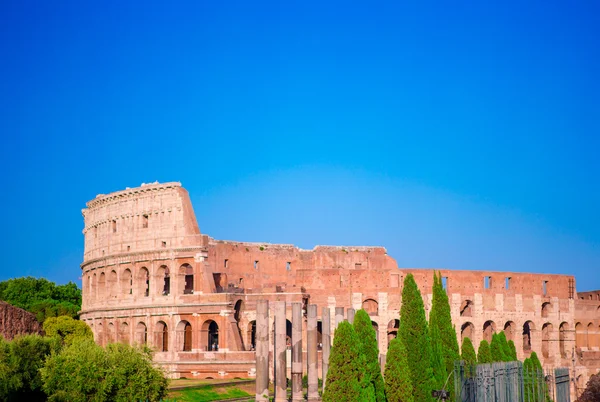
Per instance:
x=67, y=328
x=368, y=348
x=398, y=387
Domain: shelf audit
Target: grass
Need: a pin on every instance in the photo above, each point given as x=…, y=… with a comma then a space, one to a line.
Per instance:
x=206, y=393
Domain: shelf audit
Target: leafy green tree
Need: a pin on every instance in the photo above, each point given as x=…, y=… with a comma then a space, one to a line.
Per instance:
x=414, y=333
x=368, y=348
x=67, y=329
x=21, y=360
x=469, y=357
x=484, y=354
x=513, y=351
x=347, y=378
x=496, y=349
x=441, y=318
x=506, y=351
x=398, y=386
x=85, y=371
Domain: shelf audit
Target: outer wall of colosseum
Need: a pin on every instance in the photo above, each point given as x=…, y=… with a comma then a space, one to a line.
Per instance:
x=150, y=276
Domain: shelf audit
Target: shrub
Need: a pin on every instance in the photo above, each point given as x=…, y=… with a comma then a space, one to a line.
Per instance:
x=484, y=355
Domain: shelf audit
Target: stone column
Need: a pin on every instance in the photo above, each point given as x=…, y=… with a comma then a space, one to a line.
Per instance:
x=280, y=353
x=297, y=394
x=313, y=376
x=339, y=316
x=262, y=350
x=351, y=313
x=326, y=326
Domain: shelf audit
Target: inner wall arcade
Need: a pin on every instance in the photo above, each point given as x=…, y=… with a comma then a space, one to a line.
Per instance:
x=150, y=276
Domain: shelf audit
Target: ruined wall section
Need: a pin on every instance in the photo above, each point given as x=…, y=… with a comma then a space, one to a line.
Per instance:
x=16, y=321
x=150, y=217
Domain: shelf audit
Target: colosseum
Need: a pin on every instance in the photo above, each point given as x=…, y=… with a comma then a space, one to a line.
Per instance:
x=150, y=276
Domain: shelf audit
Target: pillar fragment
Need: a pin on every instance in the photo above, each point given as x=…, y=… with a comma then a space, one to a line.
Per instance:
x=326, y=339
x=262, y=350
x=339, y=316
x=313, y=377
x=351, y=313
x=297, y=394
x=280, y=353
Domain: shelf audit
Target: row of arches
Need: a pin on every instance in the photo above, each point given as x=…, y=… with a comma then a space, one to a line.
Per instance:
x=112, y=284
x=511, y=330
x=587, y=336
x=160, y=337
x=466, y=309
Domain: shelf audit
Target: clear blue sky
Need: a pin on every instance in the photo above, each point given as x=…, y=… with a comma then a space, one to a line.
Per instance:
x=457, y=135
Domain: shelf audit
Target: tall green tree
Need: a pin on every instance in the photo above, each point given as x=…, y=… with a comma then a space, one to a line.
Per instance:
x=368, y=348
x=441, y=318
x=496, y=349
x=540, y=384
x=528, y=381
x=513, y=351
x=469, y=356
x=414, y=333
x=506, y=351
x=347, y=378
x=398, y=386
x=437, y=358
x=484, y=354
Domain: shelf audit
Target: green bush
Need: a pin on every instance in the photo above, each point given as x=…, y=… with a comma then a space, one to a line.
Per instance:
x=67, y=329
x=469, y=357
x=484, y=354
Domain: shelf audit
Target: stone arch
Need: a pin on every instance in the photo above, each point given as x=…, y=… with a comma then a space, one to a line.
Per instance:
x=187, y=274
x=210, y=335
x=546, y=309
x=90, y=285
x=100, y=334
x=162, y=337
x=141, y=333
x=112, y=284
x=466, y=308
x=489, y=328
x=528, y=328
x=580, y=338
x=392, y=330
x=546, y=336
x=562, y=334
x=102, y=286
x=251, y=335
x=510, y=328
x=126, y=282
x=163, y=279
x=376, y=328
x=93, y=284
x=143, y=282
x=371, y=306
x=124, y=333
x=184, y=335
x=591, y=336
x=467, y=330
x=111, y=333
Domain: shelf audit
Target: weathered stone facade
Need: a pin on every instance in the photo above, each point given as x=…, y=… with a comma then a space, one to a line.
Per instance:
x=16, y=321
x=149, y=275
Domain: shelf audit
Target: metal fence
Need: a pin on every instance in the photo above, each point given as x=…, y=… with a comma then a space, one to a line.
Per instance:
x=509, y=382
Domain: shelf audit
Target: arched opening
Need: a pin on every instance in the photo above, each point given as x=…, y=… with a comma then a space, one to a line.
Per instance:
x=100, y=334
x=124, y=333
x=252, y=335
x=580, y=384
x=288, y=334
x=546, y=334
x=112, y=284
x=591, y=341
x=562, y=334
x=184, y=334
x=213, y=336
x=237, y=310
x=102, y=286
x=509, y=330
x=546, y=309
x=466, y=308
x=93, y=283
x=141, y=333
x=489, y=329
x=319, y=335
x=376, y=328
x=392, y=330
x=162, y=337
x=163, y=277
x=528, y=327
x=371, y=306
x=188, y=272
x=466, y=331
x=144, y=282
x=580, y=335
x=112, y=333
x=126, y=282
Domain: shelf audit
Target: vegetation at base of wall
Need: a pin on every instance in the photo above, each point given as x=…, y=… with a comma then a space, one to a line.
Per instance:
x=513, y=350
x=484, y=354
x=414, y=333
x=42, y=297
x=496, y=349
x=347, y=378
x=368, y=348
x=398, y=386
x=469, y=357
x=506, y=350
x=67, y=329
x=440, y=317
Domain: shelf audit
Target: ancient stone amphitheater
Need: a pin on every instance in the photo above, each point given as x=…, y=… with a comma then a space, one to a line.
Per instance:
x=150, y=276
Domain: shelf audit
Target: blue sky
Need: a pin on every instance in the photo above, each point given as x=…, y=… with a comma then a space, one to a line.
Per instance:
x=459, y=135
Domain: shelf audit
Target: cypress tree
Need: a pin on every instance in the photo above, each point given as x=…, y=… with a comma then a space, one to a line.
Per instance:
x=484, y=355
x=398, y=387
x=506, y=351
x=368, y=348
x=513, y=351
x=528, y=380
x=541, y=388
x=414, y=333
x=437, y=358
x=496, y=349
x=347, y=374
x=441, y=318
x=469, y=357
